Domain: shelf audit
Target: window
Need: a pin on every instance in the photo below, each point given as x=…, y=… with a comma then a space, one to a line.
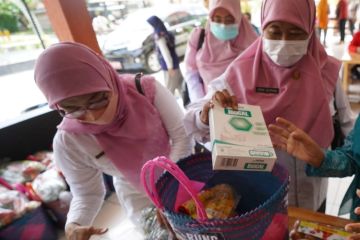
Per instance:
x=172, y=19
x=21, y=42
x=183, y=17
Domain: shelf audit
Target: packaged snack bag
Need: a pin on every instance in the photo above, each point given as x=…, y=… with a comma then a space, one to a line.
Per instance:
x=314, y=231
x=219, y=201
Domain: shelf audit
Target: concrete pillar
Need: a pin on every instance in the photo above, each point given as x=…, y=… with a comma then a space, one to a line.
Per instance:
x=71, y=22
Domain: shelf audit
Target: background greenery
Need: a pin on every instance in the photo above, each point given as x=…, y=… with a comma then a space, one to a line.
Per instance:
x=11, y=17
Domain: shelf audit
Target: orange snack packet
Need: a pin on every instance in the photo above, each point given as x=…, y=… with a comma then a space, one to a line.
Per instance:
x=219, y=202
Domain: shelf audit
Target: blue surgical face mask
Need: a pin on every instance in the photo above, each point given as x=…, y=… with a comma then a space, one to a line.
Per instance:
x=224, y=32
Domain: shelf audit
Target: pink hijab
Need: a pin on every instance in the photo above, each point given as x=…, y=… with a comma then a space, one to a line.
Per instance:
x=137, y=133
x=304, y=90
x=215, y=55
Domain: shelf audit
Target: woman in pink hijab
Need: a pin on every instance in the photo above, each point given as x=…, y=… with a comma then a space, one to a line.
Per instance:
x=112, y=124
x=226, y=35
x=288, y=74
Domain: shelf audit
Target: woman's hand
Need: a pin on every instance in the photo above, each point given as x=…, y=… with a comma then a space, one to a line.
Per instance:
x=354, y=227
x=287, y=137
x=74, y=231
x=223, y=98
x=294, y=234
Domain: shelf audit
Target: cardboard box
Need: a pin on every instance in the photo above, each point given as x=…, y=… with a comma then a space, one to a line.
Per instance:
x=240, y=139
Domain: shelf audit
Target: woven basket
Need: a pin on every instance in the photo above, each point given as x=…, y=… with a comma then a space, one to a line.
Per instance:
x=262, y=210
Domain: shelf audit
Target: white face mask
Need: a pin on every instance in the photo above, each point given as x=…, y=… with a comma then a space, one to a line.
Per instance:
x=285, y=53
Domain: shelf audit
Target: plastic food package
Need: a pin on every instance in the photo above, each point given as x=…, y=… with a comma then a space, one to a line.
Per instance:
x=151, y=225
x=13, y=205
x=21, y=171
x=48, y=185
x=306, y=230
x=45, y=157
x=219, y=201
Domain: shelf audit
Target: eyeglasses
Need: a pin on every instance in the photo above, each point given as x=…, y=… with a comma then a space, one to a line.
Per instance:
x=80, y=111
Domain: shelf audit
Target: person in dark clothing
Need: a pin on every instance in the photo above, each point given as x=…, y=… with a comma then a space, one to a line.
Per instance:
x=168, y=58
x=341, y=16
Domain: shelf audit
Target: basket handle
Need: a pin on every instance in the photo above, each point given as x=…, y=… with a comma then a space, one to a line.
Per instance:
x=178, y=174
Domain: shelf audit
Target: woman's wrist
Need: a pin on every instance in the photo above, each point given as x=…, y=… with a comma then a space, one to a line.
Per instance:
x=70, y=227
x=318, y=158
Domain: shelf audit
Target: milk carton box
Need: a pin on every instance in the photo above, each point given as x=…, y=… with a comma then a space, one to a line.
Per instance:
x=240, y=139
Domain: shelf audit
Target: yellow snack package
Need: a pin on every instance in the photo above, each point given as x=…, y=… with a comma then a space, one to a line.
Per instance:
x=219, y=201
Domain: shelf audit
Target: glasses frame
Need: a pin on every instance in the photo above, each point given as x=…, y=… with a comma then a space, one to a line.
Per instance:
x=81, y=111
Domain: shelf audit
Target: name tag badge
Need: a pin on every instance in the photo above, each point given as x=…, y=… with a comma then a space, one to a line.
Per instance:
x=267, y=90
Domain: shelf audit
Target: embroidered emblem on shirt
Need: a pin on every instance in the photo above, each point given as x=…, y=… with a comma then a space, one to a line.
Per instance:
x=296, y=75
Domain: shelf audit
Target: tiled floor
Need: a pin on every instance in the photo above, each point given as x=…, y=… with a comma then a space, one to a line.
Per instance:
x=336, y=191
x=112, y=216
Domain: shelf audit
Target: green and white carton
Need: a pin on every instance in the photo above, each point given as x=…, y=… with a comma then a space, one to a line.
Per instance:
x=240, y=139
